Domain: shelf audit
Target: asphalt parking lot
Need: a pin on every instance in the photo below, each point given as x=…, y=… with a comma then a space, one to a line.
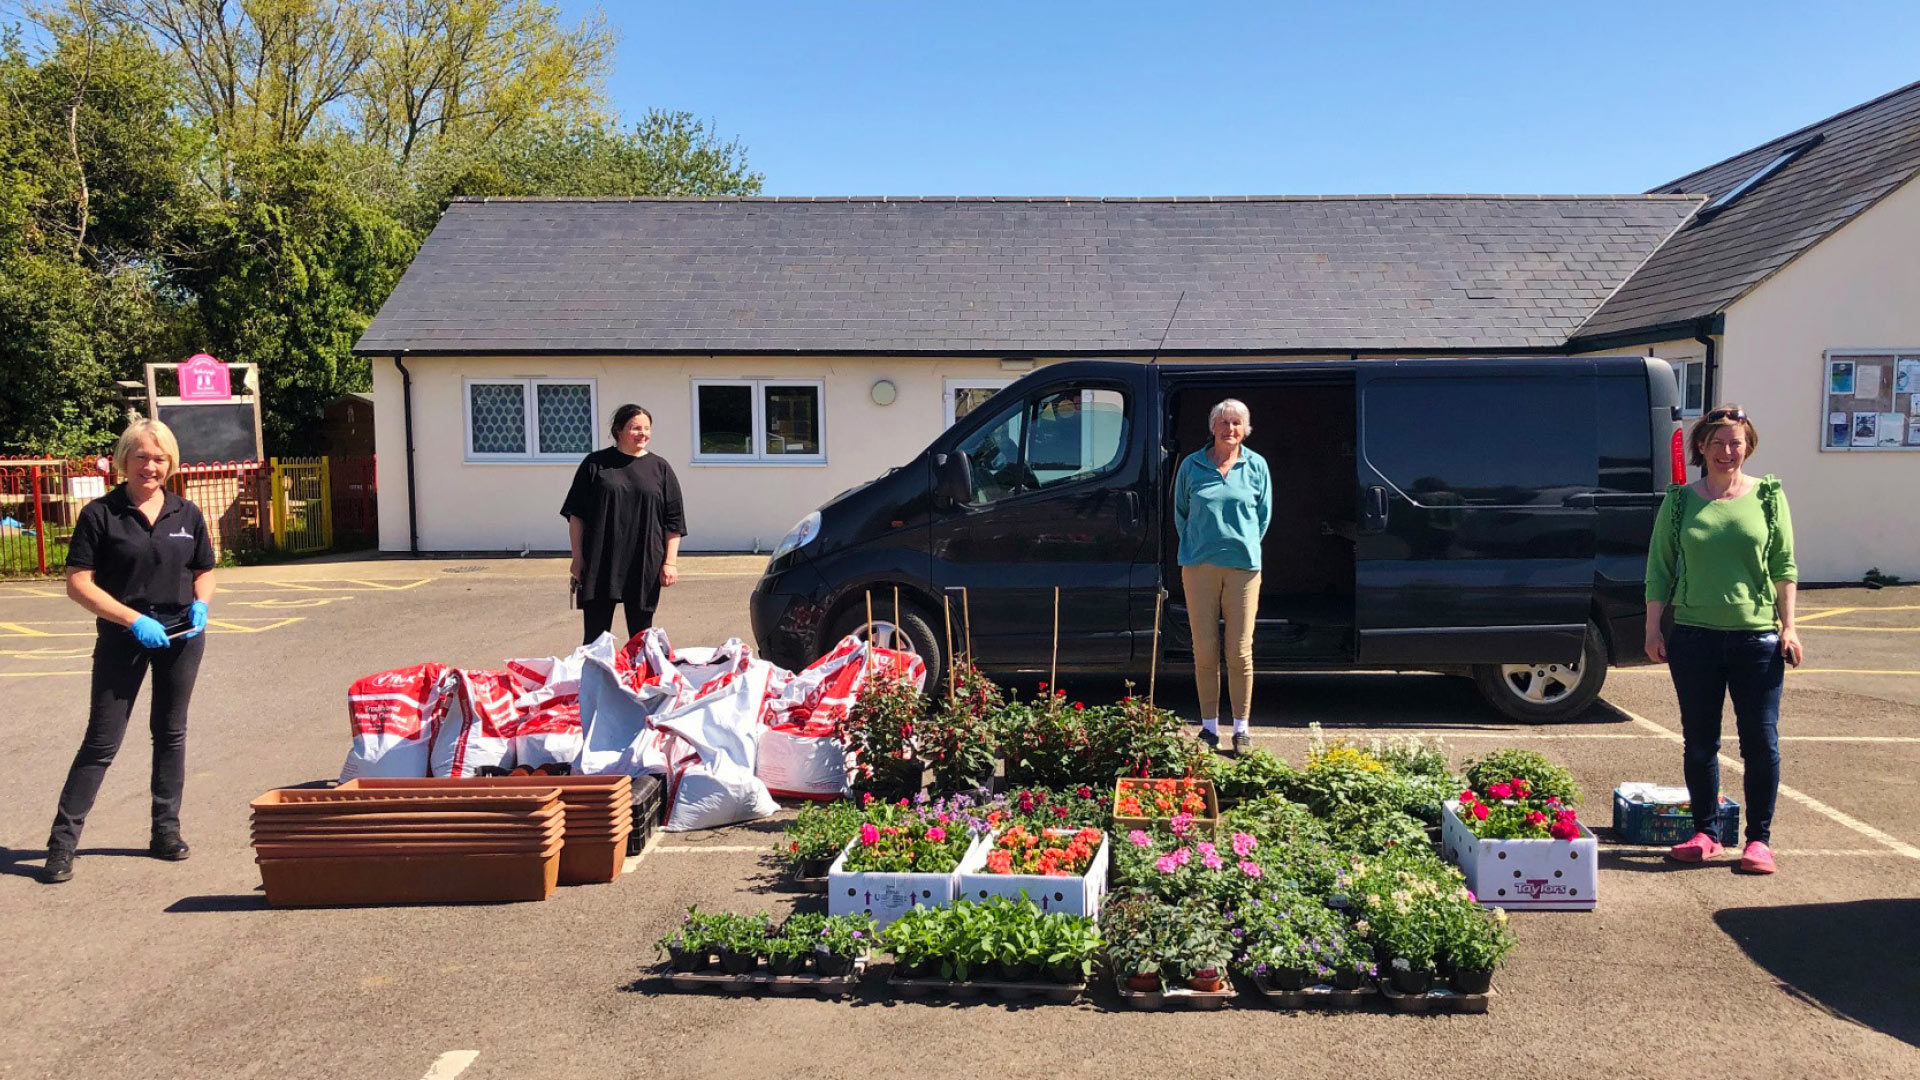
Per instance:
x=139, y=968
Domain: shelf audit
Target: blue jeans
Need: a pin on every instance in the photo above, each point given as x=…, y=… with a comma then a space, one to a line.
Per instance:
x=1707, y=667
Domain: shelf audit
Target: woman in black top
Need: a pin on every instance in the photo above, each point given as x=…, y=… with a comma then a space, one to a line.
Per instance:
x=141, y=561
x=624, y=524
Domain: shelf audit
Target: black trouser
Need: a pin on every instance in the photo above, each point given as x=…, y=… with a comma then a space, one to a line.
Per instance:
x=1708, y=667
x=599, y=618
x=119, y=667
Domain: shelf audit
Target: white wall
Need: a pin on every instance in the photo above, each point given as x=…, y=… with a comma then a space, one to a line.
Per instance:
x=499, y=507
x=1859, y=288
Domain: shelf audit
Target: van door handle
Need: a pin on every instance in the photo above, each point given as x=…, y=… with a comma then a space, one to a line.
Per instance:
x=1130, y=508
x=1373, y=514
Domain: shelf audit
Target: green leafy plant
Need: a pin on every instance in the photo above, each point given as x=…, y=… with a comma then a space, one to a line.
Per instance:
x=698, y=932
x=1251, y=775
x=903, y=839
x=1476, y=939
x=957, y=736
x=881, y=726
x=850, y=936
x=1545, y=779
x=819, y=831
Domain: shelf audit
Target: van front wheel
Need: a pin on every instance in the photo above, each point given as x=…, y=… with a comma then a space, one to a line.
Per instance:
x=912, y=633
x=1538, y=693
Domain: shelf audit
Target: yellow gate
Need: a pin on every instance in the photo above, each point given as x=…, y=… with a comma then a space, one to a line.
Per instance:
x=302, y=505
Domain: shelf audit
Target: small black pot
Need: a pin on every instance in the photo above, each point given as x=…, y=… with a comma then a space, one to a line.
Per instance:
x=689, y=960
x=832, y=965
x=1409, y=980
x=1286, y=978
x=1016, y=971
x=738, y=963
x=919, y=969
x=785, y=964
x=1066, y=973
x=1346, y=978
x=1472, y=982
x=814, y=867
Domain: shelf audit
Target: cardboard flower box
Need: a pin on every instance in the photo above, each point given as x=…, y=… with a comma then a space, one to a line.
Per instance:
x=1073, y=895
x=1523, y=875
x=1207, y=822
x=887, y=896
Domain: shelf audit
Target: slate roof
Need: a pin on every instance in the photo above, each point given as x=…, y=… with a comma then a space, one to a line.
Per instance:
x=1866, y=153
x=1001, y=275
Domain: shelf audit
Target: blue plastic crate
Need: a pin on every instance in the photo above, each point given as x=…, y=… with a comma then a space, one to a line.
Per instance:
x=1667, y=824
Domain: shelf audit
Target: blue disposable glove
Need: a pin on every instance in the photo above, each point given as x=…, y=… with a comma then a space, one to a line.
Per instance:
x=197, y=614
x=148, y=631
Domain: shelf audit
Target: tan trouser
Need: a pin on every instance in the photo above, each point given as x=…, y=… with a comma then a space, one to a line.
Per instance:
x=1214, y=591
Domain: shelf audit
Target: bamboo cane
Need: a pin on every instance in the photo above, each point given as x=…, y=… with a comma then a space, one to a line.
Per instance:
x=966, y=618
x=894, y=640
x=1153, y=660
x=946, y=616
x=869, y=650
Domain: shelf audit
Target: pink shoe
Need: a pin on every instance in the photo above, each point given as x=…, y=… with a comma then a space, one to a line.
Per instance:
x=1757, y=858
x=1699, y=849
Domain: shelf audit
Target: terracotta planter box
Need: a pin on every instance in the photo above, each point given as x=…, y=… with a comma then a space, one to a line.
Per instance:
x=337, y=801
x=359, y=848
x=376, y=836
x=593, y=862
x=415, y=879
x=397, y=821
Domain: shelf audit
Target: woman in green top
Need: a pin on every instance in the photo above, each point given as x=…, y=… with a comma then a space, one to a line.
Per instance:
x=1722, y=560
x=1222, y=504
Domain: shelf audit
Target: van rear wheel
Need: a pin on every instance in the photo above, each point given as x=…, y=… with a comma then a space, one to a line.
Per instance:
x=1540, y=693
x=910, y=633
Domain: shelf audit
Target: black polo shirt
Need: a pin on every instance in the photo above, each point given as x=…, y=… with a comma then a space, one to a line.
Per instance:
x=149, y=568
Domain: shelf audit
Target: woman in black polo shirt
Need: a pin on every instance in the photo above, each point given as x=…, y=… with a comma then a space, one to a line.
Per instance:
x=625, y=519
x=141, y=561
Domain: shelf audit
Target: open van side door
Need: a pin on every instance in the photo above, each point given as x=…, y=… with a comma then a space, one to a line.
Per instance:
x=1475, y=538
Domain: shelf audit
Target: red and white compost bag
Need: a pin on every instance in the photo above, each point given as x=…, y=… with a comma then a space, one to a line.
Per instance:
x=621, y=689
x=395, y=716
x=479, y=728
x=547, y=730
x=722, y=726
x=801, y=755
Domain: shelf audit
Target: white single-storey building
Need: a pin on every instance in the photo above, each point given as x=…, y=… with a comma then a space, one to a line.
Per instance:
x=791, y=348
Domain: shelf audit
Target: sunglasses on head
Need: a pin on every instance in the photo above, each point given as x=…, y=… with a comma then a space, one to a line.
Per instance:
x=1735, y=415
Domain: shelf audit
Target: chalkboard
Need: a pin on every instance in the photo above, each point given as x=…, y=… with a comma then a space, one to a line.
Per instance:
x=213, y=432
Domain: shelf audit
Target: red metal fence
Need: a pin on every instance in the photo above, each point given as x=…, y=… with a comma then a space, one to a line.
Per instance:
x=40, y=499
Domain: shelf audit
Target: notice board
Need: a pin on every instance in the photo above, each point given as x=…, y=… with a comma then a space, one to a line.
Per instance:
x=213, y=433
x=1872, y=399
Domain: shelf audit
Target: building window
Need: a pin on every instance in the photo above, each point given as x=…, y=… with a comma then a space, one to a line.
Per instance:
x=965, y=395
x=1691, y=377
x=759, y=421
x=521, y=420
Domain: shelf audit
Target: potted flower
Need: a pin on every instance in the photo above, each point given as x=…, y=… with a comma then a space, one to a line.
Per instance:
x=743, y=939
x=1199, y=945
x=917, y=941
x=1018, y=947
x=880, y=729
x=841, y=940
x=1346, y=961
x=817, y=834
x=689, y=947
x=1133, y=928
x=956, y=737
x=1068, y=945
x=1476, y=942
x=787, y=954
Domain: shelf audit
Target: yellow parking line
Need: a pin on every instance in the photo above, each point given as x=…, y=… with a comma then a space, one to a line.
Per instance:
x=17, y=630
x=227, y=626
x=1824, y=614
x=1871, y=629
x=38, y=674
x=1657, y=670
x=382, y=587
x=297, y=586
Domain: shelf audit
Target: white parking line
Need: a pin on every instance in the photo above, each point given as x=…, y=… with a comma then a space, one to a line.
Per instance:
x=1825, y=853
x=712, y=849
x=1898, y=846
x=1303, y=733
x=451, y=1064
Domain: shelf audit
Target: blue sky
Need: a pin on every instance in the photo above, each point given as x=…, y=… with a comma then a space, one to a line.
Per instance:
x=992, y=98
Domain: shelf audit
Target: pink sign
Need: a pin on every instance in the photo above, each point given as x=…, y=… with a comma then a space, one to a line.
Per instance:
x=202, y=378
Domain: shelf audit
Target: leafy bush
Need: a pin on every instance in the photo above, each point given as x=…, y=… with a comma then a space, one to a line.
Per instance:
x=819, y=831
x=957, y=736
x=1547, y=780
x=1251, y=775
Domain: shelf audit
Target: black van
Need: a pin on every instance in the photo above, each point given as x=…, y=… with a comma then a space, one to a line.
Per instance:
x=1487, y=518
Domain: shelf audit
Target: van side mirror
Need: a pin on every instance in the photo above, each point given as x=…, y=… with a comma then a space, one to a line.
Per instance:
x=952, y=478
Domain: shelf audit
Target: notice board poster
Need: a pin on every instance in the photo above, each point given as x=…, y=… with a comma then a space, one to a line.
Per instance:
x=1872, y=401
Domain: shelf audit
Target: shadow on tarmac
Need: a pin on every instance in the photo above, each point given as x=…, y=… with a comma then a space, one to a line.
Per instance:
x=11, y=859
x=217, y=905
x=1835, y=958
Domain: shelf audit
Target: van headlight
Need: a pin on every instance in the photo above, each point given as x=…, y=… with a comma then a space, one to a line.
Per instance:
x=797, y=537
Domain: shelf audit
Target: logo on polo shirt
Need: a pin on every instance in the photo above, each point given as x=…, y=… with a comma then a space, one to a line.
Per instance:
x=180, y=534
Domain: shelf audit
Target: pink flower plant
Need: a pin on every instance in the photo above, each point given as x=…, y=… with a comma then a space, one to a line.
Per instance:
x=1244, y=844
x=1250, y=868
x=1166, y=864
x=869, y=835
x=936, y=834
x=1182, y=824
x=1211, y=861
x=1139, y=838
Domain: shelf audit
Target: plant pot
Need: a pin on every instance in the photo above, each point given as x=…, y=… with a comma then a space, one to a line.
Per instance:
x=1066, y=973
x=1207, y=981
x=688, y=960
x=1287, y=979
x=814, y=867
x=738, y=963
x=894, y=779
x=785, y=964
x=1408, y=979
x=831, y=965
x=1472, y=982
x=1144, y=983
x=1016, y=971
x=1346, y=978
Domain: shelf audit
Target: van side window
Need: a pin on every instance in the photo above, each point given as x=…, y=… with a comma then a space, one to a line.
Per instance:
x=994, y=451
x=1076, y=434
x=1475, y=441
x=1060, y=437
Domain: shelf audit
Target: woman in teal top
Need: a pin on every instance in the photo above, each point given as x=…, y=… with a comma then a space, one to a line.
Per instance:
x=1222, y=504
x=1721, y=559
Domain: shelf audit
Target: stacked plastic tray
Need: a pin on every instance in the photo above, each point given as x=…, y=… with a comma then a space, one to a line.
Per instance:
x=598, y=821
x=347, y=846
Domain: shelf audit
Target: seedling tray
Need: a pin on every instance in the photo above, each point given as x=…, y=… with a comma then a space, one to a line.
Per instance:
x=1167, y=999
x=760, y=982
x=1320, y=996
x=1059, y=993
x=816, y=885
x=1440, y=999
